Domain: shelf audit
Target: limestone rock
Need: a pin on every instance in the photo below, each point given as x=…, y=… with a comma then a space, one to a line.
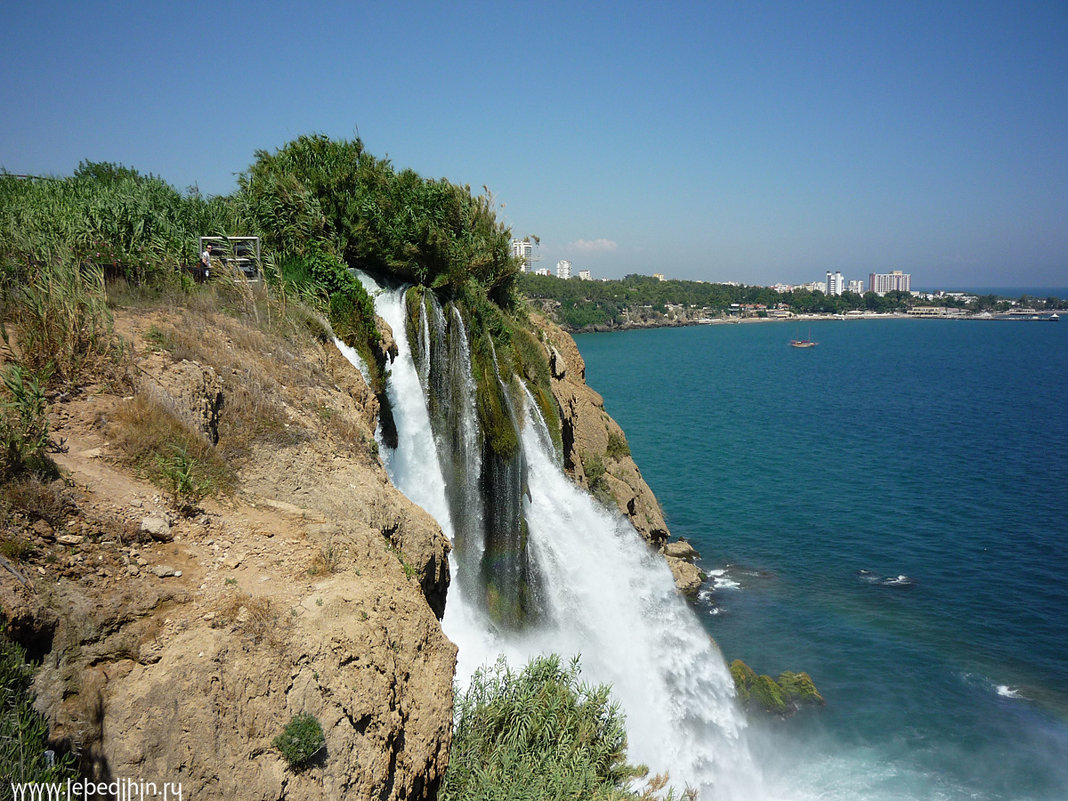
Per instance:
x=557, y=363
x=169, y=665
x=388, y=344
x=157, y=528
x=688, y=577
x=593, y=439
x=681, y=549
x=193, y=390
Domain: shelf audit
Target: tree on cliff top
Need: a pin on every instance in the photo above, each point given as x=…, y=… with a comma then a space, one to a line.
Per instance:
x=424, y=231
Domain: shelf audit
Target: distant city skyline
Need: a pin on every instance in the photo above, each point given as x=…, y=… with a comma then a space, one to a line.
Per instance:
x=715, y=141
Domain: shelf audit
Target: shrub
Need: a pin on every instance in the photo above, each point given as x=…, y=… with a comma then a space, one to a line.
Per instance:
x=300, y=740
x=23, y=731
x=593, y=467
x=24, y=426
x=617, y=445
x=184, y=478
x=538, y=734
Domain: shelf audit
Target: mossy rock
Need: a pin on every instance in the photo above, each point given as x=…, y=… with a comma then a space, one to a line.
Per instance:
x=780, y=697
x=744, y=679
x=799, y=688
x=769, y=695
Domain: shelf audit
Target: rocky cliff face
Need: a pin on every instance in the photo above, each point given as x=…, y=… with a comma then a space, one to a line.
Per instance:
x=597, y=456
x=177, y=648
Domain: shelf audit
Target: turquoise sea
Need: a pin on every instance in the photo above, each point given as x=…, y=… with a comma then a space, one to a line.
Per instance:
x=887, y=511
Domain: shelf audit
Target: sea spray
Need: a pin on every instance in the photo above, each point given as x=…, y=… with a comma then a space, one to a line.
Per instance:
x=604, y=595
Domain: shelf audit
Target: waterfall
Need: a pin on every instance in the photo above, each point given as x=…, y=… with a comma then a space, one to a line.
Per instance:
x=413, y=465
x=603, y=594
x=613, y=601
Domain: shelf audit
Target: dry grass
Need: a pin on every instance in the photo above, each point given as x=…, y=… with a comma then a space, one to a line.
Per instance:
x=47, y=500
x=15, y=548
x=327, y=561
x=256, y=619
x=147, y=433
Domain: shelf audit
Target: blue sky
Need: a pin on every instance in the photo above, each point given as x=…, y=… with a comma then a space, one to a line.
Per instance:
x=753, y=142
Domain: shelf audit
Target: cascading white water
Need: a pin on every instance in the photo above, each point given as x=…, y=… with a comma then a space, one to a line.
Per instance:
x=614, y=602
x=413, y=465
x=605, y=597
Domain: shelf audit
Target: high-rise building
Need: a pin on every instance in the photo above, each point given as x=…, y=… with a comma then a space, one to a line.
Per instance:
x=835, y=283
x=881, y=283
x=563, y=269
x=585, y=275
x=522, y=249
x=856, y=286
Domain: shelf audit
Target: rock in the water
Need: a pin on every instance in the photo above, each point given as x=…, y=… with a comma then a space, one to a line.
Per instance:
x=800, y=688
x=780, y=697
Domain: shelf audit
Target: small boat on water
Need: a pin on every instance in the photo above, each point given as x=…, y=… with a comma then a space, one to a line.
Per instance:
x=1054, y=317
x=803, y=343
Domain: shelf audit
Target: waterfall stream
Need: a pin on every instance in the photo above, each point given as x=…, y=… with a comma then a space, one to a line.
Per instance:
x=602, y=593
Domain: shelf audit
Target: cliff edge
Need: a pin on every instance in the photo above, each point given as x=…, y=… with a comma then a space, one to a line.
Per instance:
x=177, y=646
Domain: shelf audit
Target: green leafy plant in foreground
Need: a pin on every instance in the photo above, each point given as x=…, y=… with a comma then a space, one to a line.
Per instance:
x=300, y=740
x=184, y=478
x=538, y=734
x=24, y=439
x=23, y=731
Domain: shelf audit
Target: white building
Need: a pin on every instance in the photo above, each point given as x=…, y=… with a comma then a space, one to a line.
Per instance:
x=585, y=275
x=881, y=283
x=522, y=249
x=856, y=286
x=542, y=271
x=835, y=283
x=563, y=269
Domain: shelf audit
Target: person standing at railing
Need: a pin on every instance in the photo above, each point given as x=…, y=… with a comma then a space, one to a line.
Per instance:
x=205, y=262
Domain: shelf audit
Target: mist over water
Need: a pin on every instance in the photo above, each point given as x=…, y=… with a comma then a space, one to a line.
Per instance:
x=603, y=596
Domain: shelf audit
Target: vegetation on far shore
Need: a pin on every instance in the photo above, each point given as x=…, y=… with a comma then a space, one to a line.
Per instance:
x=579, y=304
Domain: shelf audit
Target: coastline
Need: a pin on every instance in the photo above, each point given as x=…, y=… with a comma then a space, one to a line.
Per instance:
x=798, y=318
